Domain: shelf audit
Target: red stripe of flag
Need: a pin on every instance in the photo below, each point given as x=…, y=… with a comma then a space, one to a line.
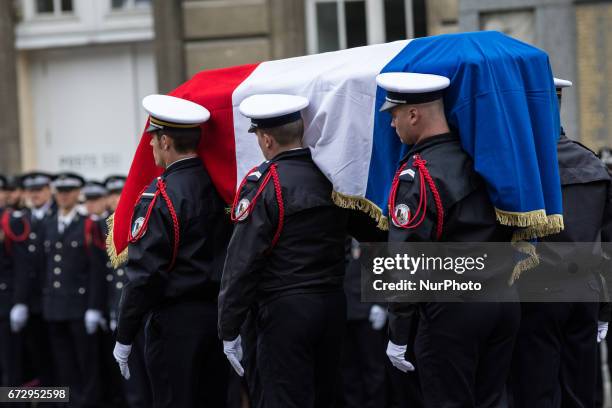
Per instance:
x=212, y=89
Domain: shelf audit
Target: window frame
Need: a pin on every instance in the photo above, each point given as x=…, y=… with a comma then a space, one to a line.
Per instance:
x=375, y=22
x=57, y=10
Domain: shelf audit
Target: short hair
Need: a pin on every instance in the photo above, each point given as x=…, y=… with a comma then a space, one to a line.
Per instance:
x=185, y=140
x=287, y=133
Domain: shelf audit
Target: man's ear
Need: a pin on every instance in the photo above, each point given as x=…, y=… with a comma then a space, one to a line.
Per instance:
x=165, y=142
x=268, y=140
x=413, y=115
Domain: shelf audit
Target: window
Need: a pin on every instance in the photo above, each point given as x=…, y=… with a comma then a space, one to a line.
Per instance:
x=338, y=24
x=516, y=23
x=53, y=7
x=129, y=4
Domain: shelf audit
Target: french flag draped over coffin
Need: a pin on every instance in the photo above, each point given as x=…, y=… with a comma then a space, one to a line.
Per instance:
x=353, y=143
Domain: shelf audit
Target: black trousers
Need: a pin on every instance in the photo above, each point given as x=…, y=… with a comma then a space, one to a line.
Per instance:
x=38, y=351
x=555, y=362
x=464, y=351
x=77, y=361
x=363, y=366
x=248, y=334
x=184, y=356
x=11, y=373
x=299, y=346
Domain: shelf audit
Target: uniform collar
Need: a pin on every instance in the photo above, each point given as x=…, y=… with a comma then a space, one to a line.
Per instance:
x=67, y=219
x=41, y=211
x=429, y=142
x=182, y=164
x=293, y=153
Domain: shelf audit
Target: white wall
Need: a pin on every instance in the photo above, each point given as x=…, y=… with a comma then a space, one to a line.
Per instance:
x=86, y=106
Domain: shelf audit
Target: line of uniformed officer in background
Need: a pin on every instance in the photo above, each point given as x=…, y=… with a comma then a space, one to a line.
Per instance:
x=58, y=294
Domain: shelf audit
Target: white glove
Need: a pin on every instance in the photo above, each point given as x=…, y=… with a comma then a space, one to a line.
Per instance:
x=378, y=317
x=121, y=354
x=19, y=317
x=602, y=331
x=93, y=319
x=233, y=351
x=397, y=356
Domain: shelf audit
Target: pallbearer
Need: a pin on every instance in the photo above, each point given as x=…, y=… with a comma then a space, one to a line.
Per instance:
x=176, y=249
x=463, y=350
x=555, y=357
x=286, y=260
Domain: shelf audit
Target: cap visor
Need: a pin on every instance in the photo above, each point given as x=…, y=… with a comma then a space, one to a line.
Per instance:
x=252, y=129
x=387, y=106
x=152, y=128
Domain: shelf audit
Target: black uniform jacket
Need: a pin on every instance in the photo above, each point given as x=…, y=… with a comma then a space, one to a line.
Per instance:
x=29, y=258
x=204, y=230
x=72, y=281
x=587, y=217
x=7, y=277
x=308, y=257
x=469, y=215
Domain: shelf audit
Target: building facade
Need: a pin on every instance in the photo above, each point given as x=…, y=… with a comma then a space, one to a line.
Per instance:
x=577, y=35
x=205, y=34
x=82, y=67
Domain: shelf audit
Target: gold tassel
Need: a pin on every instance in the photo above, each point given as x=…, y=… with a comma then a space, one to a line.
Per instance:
x=520, y=219
x=115, y=258
x=553, y=225
x=523, y=265
x=362, y=204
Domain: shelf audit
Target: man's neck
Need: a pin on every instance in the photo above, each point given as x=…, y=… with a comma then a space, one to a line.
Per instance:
x=44, y=206
x=178, y=157
x=66, y=211
x=432, y=131
x=286, y=148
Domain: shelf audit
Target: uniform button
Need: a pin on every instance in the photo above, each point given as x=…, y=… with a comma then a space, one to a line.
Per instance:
x=57, y=258
x=81, y=291
x=58, y=245
x=47, y=244
x=120, y=272
x=56, y=284
x=74, y=244
x=32, y=235
x=57, y=271
x=109, y=277
x=31, y=248
x=2, y=286
x=108, y=265
x=119, y=285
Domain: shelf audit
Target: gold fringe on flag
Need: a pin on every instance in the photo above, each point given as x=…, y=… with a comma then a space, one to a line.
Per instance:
x=531, y=261
x=520, y=219
x=115, y=258
x=362, y=204
x=553, y=225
